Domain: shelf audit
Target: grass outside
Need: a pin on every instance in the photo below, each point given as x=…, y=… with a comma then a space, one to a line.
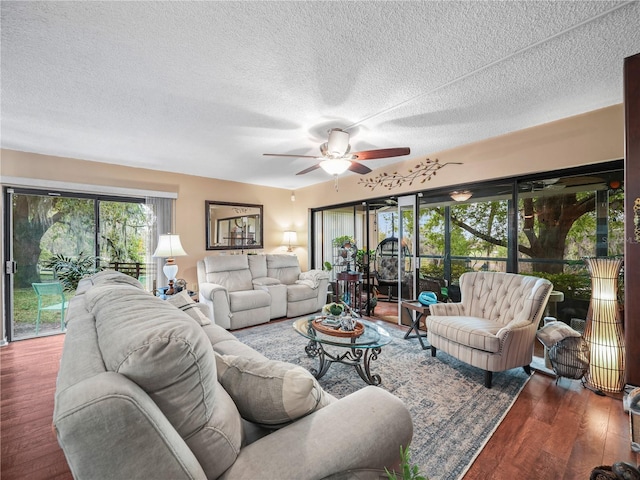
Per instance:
x=25, y=308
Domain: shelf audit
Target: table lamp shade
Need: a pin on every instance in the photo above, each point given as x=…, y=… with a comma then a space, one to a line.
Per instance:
x=169, y=246
x=290, y=238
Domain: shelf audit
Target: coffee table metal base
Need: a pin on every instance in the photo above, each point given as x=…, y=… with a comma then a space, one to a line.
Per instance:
x=360, y=358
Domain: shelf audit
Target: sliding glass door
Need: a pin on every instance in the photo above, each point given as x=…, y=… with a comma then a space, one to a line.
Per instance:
x=55, y=238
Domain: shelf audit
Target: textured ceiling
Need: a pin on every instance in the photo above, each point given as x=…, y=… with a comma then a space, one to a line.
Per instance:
x=205, y=88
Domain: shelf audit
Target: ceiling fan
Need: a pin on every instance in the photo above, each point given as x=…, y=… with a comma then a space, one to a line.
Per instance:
x=335, y=157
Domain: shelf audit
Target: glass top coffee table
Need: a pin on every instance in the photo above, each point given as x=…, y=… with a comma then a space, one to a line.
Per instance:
x=357, y=351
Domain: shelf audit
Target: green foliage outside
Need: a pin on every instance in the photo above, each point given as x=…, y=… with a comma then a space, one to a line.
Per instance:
x=69, y=271
x=50, y=234
x=48, y=226
x=437, y=270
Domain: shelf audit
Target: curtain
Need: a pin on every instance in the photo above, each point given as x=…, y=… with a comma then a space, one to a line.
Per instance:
x=162, y=210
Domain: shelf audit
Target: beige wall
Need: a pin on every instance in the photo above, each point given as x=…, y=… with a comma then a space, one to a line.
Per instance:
x=589, y=138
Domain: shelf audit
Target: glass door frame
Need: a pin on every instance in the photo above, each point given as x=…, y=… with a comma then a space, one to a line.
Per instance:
x=10, y=266
x=407, y=203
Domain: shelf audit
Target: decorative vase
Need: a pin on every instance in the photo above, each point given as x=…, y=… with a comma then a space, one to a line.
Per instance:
x=603, y=330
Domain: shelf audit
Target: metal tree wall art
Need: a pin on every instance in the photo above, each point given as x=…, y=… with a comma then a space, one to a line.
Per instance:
x=424, y=171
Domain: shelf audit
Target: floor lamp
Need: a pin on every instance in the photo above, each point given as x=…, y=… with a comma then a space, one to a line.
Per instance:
x=603, y=330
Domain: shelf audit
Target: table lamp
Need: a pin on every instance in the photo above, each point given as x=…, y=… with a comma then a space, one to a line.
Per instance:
x=169, y=246
x=290, y=238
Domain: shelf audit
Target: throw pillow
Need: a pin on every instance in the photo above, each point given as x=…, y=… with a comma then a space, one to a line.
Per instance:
x=554, y=332
x=269, y=392
x=185, y=303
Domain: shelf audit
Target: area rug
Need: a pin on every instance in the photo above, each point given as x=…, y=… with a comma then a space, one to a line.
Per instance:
x=453, y=414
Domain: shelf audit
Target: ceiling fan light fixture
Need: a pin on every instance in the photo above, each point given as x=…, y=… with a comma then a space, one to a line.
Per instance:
x=461, y=196
x=335, y=166
x=338, y=143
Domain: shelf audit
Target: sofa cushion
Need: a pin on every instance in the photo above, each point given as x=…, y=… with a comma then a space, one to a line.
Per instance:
x=249, y=300
x=230, y=271
x=285, y=268
x=298, y=293
x=257, y=265
x=269, y=392
x=169, y=356
x=185, y=303
x=473, y=332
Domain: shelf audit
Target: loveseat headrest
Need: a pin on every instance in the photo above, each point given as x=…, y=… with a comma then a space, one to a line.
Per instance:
x=225, y=263
x=285, y=268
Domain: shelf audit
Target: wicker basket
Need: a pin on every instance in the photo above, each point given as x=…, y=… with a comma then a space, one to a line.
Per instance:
x=570, y=357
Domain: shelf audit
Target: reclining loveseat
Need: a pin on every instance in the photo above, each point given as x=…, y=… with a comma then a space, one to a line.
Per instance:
x=246, y=290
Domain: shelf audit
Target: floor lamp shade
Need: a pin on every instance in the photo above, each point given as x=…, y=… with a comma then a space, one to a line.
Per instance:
x=169, y=246
x=603, y=330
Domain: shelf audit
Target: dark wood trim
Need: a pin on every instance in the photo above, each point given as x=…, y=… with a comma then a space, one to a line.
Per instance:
x=632, y=219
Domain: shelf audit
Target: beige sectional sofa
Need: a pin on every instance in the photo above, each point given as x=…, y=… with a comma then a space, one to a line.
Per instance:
x=149, y=390
x=245, y=290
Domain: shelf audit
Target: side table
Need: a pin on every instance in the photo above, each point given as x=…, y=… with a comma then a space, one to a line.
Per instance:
x=351, y=282
x=416, y=311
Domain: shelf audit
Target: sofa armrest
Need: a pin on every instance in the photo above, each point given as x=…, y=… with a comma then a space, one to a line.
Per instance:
x=100, y=421
x=362, y=430
x=216, y=297
x=517, y=341
x=447, y=309
x=516, y=327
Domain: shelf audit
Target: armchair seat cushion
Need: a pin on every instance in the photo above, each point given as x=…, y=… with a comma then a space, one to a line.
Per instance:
x=249, y=300
x=473, y=332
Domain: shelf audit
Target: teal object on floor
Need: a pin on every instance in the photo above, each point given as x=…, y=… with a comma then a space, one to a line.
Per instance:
x=47, y=293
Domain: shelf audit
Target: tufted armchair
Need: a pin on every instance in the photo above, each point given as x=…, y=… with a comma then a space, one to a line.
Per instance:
x=494, y=325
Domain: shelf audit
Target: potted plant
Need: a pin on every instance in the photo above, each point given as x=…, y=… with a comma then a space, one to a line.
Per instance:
x=71, y=270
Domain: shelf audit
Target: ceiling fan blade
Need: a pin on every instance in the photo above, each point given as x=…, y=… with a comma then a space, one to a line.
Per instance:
x=359, y=168
x=381, y=153
x=286, y=155
x=310, y=169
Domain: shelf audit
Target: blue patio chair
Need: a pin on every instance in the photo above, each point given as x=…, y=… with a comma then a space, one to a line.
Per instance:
x=48, y=293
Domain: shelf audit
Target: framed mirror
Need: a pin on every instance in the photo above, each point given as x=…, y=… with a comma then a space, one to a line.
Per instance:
x=233, y=226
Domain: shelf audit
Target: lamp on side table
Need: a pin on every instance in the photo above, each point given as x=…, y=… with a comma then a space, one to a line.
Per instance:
x=169, y=246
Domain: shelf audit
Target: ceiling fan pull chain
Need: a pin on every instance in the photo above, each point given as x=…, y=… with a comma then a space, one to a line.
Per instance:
x=335, y=182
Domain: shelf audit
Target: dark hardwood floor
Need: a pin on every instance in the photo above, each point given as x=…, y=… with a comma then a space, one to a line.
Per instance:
x=552, y=431
x=28, y=444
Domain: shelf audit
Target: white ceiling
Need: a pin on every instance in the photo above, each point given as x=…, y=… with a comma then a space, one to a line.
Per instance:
x=205, y=88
